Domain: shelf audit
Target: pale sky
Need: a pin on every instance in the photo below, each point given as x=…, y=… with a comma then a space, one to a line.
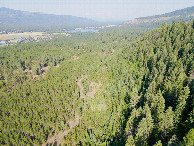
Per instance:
x=99, y=9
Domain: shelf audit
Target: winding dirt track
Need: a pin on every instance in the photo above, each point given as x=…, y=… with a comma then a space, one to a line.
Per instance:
x=59, y=137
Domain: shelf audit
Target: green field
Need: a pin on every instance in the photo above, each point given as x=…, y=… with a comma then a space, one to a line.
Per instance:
x=15, y=37
x=19, y=35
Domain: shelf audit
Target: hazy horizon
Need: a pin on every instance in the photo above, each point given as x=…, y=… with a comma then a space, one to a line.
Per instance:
x=101, y=10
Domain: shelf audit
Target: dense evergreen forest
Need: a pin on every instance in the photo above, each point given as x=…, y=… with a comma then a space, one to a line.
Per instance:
x=113, y=87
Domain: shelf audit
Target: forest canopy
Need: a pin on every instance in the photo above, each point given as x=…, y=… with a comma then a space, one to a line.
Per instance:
x=108, y=88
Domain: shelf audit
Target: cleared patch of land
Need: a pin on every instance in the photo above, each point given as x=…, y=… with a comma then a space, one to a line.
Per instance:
x=75, y=57
x=17, y=37
x=65, y=34
x=59, y=137
x=43, y=71
x=93, y=88
x=108, y=53
x=20, y=35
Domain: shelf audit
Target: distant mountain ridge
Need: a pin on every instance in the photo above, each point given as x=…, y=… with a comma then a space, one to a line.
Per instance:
x=16, y=18
x=178, y=15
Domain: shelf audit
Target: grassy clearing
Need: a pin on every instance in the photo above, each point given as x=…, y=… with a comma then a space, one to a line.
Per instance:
x=16, y=37
x=65, y=34
x=11, y=36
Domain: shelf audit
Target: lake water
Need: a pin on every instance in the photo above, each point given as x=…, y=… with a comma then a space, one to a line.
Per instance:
x=10, y=43
x=17, y=38
x=84, y=30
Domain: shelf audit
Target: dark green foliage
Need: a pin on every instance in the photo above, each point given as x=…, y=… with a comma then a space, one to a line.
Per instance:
x=189, y=138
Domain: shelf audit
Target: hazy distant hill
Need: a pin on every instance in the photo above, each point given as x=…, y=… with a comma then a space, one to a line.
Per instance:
x=22, y=19
x=178, y=15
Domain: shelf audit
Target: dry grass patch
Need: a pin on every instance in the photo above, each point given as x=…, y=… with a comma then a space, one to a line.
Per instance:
x=19, y=35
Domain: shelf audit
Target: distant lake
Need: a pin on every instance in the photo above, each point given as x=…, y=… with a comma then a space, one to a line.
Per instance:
x=10, y=43
x=84, y=30
x=17, y=38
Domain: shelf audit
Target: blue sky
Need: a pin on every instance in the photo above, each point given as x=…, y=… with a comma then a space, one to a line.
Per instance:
x=99, y=9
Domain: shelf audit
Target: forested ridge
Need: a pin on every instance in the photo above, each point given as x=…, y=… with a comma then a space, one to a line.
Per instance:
x=151, y=22
x=107, y=88
x=16, y=20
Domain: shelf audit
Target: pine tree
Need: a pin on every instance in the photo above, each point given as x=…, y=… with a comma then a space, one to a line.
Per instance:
x=159, y=143
x=181, y=104
x=145, y=126
x=166, y=122
x=130, y=141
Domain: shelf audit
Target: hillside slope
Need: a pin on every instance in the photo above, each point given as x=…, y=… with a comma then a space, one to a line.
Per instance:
x=18, y=19
x=178, y=15
x=143, y=90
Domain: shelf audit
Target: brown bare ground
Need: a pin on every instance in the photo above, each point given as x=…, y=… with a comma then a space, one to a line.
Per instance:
x=95, y=86
x=59, y=137
x=57, y=65
x=75, y=57
x=27, y=70
x=105, y=53
x=35, y=76
x=45, y=68
x=112, y=50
